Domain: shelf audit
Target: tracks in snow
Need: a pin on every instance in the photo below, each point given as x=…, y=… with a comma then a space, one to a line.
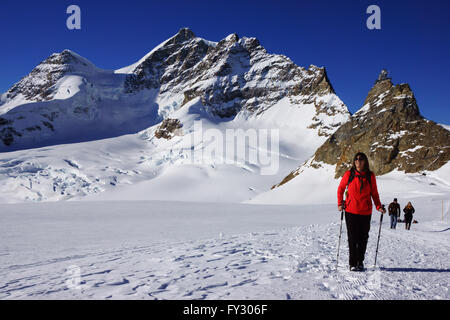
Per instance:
x=291, y=263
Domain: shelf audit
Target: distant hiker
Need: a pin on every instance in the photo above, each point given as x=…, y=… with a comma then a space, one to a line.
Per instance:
x=409, y=211
x=394, y=212
x=361, y=189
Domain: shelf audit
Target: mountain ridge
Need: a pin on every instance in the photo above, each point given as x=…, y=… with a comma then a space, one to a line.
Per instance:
x=233, y=76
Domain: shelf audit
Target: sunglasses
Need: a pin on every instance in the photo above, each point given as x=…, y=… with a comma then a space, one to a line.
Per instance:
x=359, y=159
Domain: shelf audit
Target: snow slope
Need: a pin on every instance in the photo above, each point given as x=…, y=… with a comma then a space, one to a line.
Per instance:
x=175, y=250
x=141, y=167
x=137, y=167
x=318, y=185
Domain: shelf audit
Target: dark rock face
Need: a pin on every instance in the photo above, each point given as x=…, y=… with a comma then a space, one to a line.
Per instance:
x=167, y=129
x=248, y=86
x=390, y=131
x=236, y=74
x=170, y=61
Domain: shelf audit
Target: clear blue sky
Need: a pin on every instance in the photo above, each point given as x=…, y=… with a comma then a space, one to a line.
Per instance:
x=413, y=43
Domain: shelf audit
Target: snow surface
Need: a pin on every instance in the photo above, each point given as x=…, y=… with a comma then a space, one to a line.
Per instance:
x=315, y=186
x=136, y=166
x=176, y=250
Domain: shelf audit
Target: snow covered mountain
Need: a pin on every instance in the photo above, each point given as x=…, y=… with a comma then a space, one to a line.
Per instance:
x=67, y=99
x=410, y=153
x=146, y=131
x=67, y=105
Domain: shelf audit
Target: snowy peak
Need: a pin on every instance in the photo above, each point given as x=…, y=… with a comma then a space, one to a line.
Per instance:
x=70, y=58
x=231, y=38
x=166, y=62
x=185, y=34
x=39, y=85
x=229, y=41
x=320, y=83
x=66, y=59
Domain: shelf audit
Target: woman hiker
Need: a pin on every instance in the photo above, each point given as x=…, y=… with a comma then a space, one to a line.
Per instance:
x=362, y=188
x=409, y=211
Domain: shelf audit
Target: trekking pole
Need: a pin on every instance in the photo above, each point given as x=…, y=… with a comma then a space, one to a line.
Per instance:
x=340, y=234
x=379, y=234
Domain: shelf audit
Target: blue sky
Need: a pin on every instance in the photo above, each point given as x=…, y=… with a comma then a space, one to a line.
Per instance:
x=413, y=43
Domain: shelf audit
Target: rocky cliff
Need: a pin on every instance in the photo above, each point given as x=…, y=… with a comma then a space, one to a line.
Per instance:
x=390, y=130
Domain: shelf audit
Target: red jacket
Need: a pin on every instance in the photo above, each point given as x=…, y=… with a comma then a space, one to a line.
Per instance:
x=359, y=201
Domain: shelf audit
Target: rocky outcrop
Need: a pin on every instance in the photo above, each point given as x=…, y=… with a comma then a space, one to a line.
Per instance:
x=390, y=130
x=177, y=55
x=168, y=129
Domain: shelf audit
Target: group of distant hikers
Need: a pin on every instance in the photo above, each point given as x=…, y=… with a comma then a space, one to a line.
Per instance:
x=394, y=213
x=360, y=187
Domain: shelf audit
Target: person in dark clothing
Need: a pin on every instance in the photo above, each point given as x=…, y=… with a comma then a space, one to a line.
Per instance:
x=394, y=213
x=361, y=188
x=409, y=211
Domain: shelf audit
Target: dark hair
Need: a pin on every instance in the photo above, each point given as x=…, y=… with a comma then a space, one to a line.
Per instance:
x=366, y=162
x=395, y=199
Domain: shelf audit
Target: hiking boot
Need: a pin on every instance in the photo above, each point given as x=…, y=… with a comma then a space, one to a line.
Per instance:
x=353, y=268
x=360, y=267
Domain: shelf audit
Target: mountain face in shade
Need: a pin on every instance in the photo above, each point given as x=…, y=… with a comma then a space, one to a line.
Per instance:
x=390, y=130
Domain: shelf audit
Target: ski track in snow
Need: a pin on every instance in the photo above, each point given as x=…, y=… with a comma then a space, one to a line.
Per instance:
x=289, y=263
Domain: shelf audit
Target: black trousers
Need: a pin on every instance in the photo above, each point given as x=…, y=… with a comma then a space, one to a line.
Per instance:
x=358, y=227
x=408, y=220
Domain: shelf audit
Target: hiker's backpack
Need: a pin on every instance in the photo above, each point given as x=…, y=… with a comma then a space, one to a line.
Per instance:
x=368, y=177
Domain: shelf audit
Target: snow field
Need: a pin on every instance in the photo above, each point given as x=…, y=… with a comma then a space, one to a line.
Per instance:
x=168, y=250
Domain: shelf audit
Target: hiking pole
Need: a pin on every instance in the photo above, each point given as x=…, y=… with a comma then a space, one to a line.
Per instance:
x=340, y=234
x=379, y=234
